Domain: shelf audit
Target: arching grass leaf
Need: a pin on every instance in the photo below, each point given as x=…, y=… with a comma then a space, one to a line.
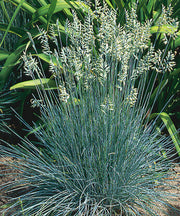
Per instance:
x=51, y=11
x=47, y=59
x=3, y=54
x=15, y=30
x=45, y=83
x=168, y=29
x=10, y=61
x=170, y=127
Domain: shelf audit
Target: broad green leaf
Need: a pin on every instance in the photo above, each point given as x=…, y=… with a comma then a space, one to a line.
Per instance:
x=44, y=9
x=51, y=11
x=109, y=3
x=7, y=67
x=151, y=5
x=15, y=30
x=164, y=29
x=60, y=5
x=120, y=4
x=30, y=9
x=42, y=2
x=175, y=72
x=12, y=19
x=176, y=43
x=3, y=54
x=170, y=127
x=142, y=8
x=47, y=59
x=45, y=83
x=68, y=13
x=156, y=14
x=25, y=5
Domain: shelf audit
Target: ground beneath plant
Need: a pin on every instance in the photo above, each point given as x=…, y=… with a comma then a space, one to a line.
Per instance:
x=175, y=182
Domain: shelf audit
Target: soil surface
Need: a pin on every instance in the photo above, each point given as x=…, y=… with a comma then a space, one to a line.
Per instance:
x=175, y=203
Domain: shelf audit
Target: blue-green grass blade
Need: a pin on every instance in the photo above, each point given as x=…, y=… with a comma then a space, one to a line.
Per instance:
x=94, y=150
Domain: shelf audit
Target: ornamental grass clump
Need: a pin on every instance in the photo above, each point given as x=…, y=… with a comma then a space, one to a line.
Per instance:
x=97, y=153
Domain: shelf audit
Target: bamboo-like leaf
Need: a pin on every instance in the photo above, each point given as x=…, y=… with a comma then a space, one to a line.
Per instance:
x=120, y=4
x=109, y=3
x=5, y=11
x=30, y=9
x=27, y=6
x=151, y=5
x=12, y=19
x=44, y=83
x=142, y=8
x=67, y=12
x=3, y=54
x=7, y=67
x=44, y=9
x=42, y=2
x=15, y=30
x=170, y=127
x=164, y=29
x=175, y=72
x=51, y=11
x=60, y=5
x=176, y=43
x=47, y=59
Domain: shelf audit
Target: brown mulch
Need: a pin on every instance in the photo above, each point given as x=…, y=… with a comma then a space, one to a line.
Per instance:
x=5, y=178
x=175, y=182
x=174, y=202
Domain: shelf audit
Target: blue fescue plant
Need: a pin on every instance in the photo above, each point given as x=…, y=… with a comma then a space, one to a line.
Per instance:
x=99, y=155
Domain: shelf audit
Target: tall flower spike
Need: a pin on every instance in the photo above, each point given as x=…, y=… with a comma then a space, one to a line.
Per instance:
x=31, y=67
x=44, y=42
